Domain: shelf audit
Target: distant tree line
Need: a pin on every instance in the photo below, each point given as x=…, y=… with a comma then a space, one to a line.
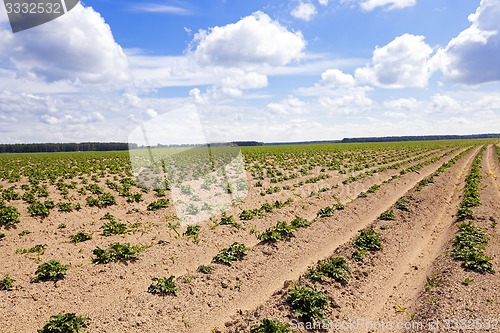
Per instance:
x=248, y=143
x=64, y=147
x=421, y=138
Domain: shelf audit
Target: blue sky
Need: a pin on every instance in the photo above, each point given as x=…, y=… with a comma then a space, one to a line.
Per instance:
x=253, y=70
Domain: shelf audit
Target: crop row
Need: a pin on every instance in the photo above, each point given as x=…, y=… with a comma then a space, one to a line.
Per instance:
x=470, y=241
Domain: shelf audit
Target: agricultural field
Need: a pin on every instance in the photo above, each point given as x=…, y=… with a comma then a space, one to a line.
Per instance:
x=293, y=238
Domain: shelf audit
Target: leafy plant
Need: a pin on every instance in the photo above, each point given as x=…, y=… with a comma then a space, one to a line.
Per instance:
x=228, y=220
x=300, y=222
x=40, y=249
x=373, y=188
x=65, y=323
x=116, y=252
x=279, y=231
x=402, y=204
x=80, y=236
x=335, y=268
x=9, y=216
x=270, y=326
x=193, y=231
x=234, y=252
x=24, y=233
x=101, y=201
x=387, y=215
x=326, y=211
x=6, y=283
x=52, y=270
x=205, y=269
x=468, y=247
x=163, y=286
x=68, y=206
x=158, y=204
x=113, y=227
x=308, y=303
x=38, y=208
x=368, y=240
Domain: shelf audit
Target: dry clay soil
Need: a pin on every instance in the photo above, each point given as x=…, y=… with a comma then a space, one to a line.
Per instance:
x=388, y=286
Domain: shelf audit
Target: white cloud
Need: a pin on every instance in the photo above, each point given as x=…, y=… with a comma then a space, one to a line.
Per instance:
x=404, y=62
x=241, y=80
x=349, y=102
x=160, y=8
x=369, y=5
x=442, y=103
x=287, y=106
x=323, y=2
x=401, y=104
x=255, y=40
x=151, y=112
x=472, y=56
x=78, y=47
x=336, y=78
x=304, y=11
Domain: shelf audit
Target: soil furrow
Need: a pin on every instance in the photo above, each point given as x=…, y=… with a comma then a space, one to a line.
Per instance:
x=250, y=282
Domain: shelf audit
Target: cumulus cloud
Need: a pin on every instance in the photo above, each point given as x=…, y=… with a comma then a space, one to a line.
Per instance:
x=472, y=56
x=404, y=62
x=78, y=47
x=369, y=5
x=255, y=40
x=289, y=105
x=442, y=103
x=323, y=2
x=336, y=78
x=304, y=11
x=349, y=102
x=401, y=104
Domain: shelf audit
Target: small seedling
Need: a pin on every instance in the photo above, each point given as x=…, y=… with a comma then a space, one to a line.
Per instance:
x=400, y=308
x=433, y=281
x=163, y=286
x=467, y=281
x=65, y=323
x=6, y=283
